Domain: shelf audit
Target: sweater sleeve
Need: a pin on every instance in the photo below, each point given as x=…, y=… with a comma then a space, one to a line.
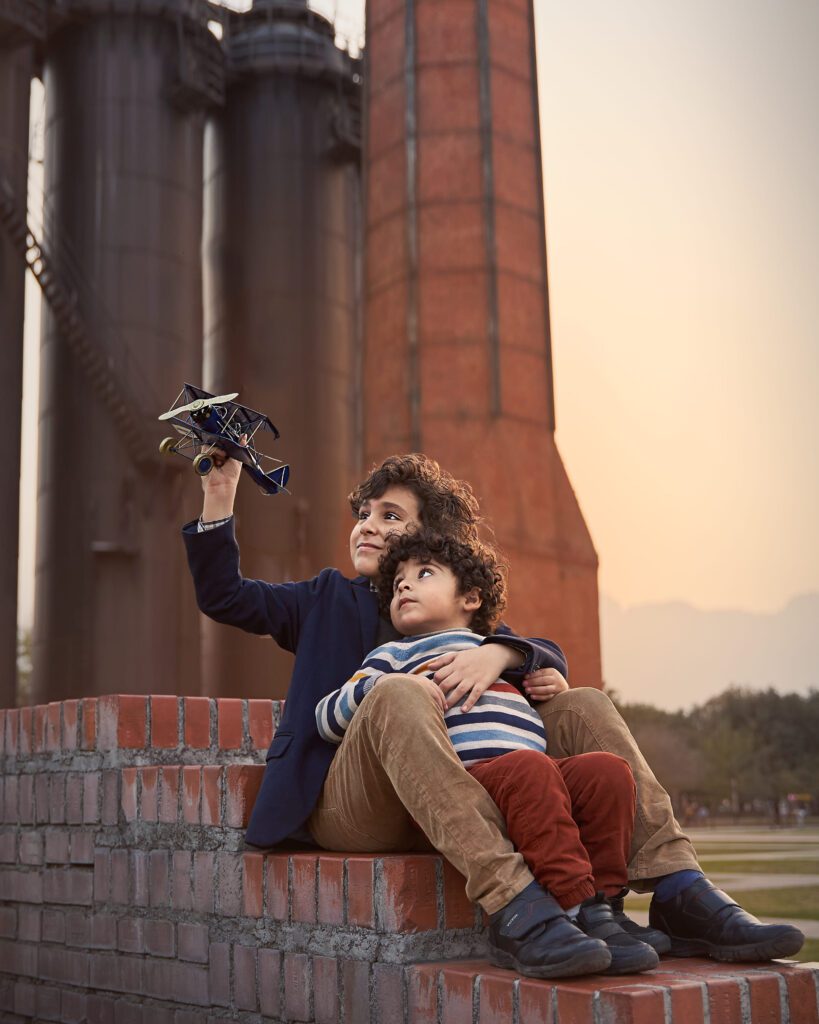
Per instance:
x=335, y=711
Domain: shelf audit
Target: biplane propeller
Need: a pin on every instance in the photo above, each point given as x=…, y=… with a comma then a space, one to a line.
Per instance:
x=205, y=422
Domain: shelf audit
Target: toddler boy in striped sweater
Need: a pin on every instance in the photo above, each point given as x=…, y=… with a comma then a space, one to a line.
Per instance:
x=571, y=818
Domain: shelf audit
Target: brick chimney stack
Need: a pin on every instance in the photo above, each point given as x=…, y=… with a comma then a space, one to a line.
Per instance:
x=457, y=359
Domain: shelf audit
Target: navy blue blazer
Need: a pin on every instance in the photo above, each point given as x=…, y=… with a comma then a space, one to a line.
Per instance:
x=330, y=623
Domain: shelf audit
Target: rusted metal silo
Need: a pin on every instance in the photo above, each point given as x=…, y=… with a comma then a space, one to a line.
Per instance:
x=21, y=23
x=281, y=243
x=126, y=83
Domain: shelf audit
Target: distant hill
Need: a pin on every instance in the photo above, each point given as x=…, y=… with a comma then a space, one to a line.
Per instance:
x=673, y=655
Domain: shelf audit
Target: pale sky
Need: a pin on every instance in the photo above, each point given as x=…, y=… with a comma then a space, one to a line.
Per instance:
x=681, y=155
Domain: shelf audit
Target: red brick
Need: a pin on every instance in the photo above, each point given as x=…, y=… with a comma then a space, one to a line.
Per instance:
x=459, y=910
x=30, y=924
x=331, y=890
x=724, y=1000
x=130, y=934
x=149, y=793
x=632, y=1005
x=173, y=979
x=10, y=791
x=12, y=723
x=102, y=875
x=89, y=723
x=120, y=876
x=128, y=799
x=575, y=1005
x=169, y=794
x=122, y=722
x=203, y=877
x=304, y=887
x=229, y=889
x=191, y=794
x=193, y=942
x=38, y=738
x=355, y=985
x=447, y=100
x=687, y=1000
x=2, y=732
x=260, y=722
x=197, y=722
x=164, y=722
x=25, y=1000
x=100, y=1010
x=360, y=885
x=456, y=995
x=98, y=932
x=211, y=794
x=297, y=987
x=765, y=1001
x=70, y=738
x=68, y=885
x=269, y=982
x=158, y=878
x=253, y=884
x=276, y=875
x=182, y=868
x=159, y=937
x=802, y=996
x=73, y=798
x=47, y=1000
x=25, y=739
x=73, y=1007
x=410, y=900
x=325, y=990
x=244, y=977
x=242, y=782
x=25, y=798
x=82, y=847
x=219, y=974
x=388, y=993
x=229, y=722
x=422, y=995
x=8, y=923
x=8, y=847
x=66, y=965
x=42, y=791
x=56, y=846
x=91, y=797
x=56, y=798
x=110, y=797
x=446, y=32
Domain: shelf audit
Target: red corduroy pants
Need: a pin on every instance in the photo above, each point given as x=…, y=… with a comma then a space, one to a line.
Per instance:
x=571, y=818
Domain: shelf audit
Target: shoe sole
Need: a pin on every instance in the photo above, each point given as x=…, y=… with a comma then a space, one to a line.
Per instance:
x=785, y=945
x=581, y=963
x=636, y=964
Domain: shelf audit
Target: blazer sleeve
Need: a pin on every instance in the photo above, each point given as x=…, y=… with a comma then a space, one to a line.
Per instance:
x=224, y=595
x=538, y=653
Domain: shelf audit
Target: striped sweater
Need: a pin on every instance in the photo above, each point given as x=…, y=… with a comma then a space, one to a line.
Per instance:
x=500, y=721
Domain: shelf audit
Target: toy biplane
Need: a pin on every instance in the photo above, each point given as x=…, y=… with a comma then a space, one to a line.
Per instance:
x=205, y=421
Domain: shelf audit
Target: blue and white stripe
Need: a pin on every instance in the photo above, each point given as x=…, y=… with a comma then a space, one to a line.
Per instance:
x=500, y=721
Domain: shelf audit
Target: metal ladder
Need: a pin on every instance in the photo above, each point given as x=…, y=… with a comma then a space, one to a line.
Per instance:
x=62, y=299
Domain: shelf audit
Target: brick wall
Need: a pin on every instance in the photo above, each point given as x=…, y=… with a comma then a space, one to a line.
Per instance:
x=127, y=897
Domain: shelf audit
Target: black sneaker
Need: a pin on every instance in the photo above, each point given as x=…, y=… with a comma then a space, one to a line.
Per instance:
x=653, y=937
x=704, y=921
x=532, y=935
x=628, y=955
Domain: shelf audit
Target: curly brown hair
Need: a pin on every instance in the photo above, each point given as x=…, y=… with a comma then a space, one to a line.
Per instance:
x=448, y=506
x=474, y=565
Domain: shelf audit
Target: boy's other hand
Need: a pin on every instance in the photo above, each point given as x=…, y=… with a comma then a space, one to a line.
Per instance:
x=472, y=671
x=544, y=684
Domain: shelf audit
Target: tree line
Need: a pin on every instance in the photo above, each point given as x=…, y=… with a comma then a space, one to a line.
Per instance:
x=744, y=752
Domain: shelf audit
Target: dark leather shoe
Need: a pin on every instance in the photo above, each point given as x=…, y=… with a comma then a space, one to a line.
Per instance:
x=704, y=921
x=628, y=955
x=653, y=937
x=532, y=935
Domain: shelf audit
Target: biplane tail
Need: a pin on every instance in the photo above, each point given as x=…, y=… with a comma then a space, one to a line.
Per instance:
x=279, y=477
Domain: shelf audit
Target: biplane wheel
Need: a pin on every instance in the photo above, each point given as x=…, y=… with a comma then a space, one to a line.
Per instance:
x=166, y=445
x=202, y=464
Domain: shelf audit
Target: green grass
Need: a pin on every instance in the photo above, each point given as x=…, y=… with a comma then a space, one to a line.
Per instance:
x=809, y=953
x=712, y=865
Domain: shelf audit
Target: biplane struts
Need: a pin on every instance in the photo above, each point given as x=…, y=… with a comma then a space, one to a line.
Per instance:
x=204, y=422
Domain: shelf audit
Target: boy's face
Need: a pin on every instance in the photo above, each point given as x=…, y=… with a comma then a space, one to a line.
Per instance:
x=393, y=512
x=426, y=599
